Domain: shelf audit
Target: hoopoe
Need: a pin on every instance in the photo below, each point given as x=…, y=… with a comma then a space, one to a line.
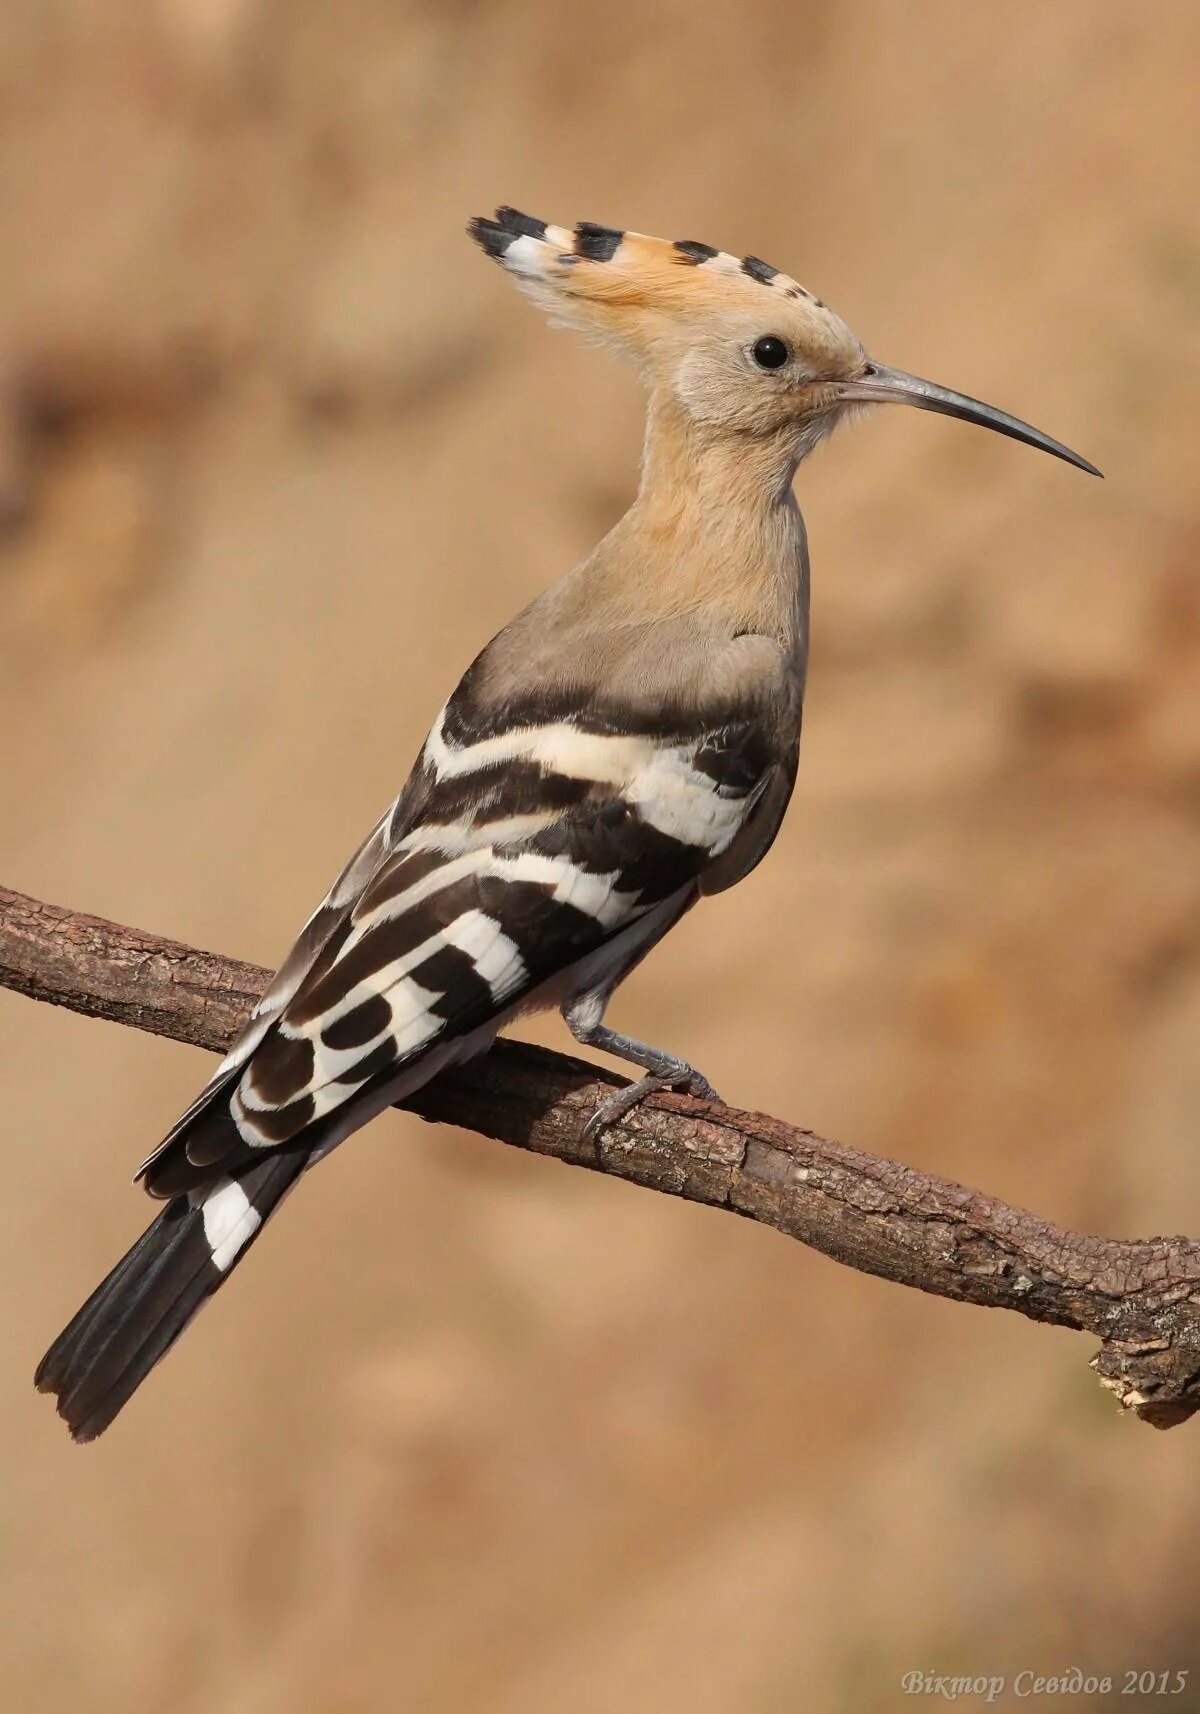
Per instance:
x=625, y=746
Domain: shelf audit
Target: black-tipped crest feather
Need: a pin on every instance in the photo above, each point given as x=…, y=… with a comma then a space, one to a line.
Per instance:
x=597, y=243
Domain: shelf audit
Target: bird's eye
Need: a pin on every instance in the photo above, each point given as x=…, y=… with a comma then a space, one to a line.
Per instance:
x=770, y=352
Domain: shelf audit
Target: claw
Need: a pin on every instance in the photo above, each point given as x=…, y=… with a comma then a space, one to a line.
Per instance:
x=625, y=1100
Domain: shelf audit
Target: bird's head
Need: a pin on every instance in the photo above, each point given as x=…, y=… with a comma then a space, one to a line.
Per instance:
x=742, y=349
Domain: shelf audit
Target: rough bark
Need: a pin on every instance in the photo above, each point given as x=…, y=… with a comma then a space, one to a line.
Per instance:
x=1140, y=1298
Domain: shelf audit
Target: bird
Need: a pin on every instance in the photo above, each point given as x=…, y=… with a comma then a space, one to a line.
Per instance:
x=624, y=747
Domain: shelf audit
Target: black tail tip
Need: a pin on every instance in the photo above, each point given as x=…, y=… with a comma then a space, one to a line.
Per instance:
x=51, y=1377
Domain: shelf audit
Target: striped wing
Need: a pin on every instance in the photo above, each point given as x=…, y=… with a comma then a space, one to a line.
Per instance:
x=509, y=862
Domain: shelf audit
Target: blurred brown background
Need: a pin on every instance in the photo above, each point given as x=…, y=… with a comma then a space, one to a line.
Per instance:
x=473, y=1433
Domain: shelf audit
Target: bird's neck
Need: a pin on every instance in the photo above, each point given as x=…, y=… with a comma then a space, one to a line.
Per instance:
x=714, y=529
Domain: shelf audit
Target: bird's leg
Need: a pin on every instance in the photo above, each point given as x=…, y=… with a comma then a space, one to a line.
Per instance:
x=663, y=1070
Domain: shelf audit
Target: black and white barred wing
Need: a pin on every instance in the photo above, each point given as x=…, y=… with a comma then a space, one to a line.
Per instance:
x=531, y=866
x=533, y=851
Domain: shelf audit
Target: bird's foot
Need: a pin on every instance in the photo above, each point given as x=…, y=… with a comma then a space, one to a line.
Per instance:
x=671, y=1074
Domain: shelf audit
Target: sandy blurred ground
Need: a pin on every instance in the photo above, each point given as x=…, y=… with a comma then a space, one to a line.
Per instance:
x=475, y=1434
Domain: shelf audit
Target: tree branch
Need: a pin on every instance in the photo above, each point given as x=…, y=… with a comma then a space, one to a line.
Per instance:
x=1141, y=1298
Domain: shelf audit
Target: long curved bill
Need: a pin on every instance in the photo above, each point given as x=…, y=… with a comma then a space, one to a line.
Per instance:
x=884, y=386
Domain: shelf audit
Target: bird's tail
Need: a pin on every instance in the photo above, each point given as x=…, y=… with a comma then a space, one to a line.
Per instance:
x=136, y=1314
